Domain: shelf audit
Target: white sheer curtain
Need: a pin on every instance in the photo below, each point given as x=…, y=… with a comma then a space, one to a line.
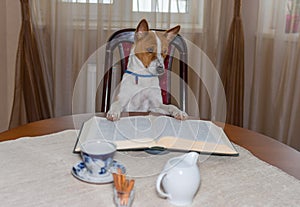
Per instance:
x=275, y=88
x=69, y=32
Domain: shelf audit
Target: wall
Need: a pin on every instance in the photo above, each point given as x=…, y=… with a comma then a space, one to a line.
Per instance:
x=10, y=22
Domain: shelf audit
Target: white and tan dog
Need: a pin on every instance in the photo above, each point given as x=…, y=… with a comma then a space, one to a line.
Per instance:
x=139, y=88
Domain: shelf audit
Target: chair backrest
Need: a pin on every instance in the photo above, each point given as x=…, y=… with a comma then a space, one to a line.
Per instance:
x=123, y=40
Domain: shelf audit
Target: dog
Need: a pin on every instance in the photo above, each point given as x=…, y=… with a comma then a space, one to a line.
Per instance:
x=139, y=88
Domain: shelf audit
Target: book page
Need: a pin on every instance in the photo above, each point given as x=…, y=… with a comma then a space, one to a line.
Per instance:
x=138, y=132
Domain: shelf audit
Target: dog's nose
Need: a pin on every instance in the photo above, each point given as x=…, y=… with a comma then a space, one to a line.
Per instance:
x=160, y=69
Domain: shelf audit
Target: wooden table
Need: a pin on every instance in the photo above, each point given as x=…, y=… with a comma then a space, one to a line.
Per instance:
x=265, y=148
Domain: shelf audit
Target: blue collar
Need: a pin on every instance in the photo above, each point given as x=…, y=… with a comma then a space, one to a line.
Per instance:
x=139, y=75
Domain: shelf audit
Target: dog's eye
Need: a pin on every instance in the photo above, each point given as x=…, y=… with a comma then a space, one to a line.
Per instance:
x=165, y=51
x=150, y=49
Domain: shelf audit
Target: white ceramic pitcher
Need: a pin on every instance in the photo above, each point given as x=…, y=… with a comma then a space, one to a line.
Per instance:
x=180, y=179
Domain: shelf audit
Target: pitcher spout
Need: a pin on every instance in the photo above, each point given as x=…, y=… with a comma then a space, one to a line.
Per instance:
x=191, y=158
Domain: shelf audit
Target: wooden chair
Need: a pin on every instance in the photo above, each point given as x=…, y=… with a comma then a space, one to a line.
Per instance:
x=123, y=40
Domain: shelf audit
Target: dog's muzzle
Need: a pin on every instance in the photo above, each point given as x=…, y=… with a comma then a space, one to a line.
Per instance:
x=160, y=70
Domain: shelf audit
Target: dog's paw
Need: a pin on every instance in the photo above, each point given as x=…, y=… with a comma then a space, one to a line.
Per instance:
x=180, y=115
x=113, y=116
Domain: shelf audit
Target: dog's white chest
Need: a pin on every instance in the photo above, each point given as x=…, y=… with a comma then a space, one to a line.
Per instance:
x=141, y=96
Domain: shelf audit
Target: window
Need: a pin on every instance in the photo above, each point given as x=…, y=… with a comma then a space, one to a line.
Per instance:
x=172, y=6
x=292, y=23
x=166, y=6
x=281, y=16
x=182, y=11
x=90, y=1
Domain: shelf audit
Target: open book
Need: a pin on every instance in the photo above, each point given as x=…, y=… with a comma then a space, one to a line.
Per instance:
x=143, y=132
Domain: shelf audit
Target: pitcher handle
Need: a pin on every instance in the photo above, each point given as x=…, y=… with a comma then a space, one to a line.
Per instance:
x=158, y=185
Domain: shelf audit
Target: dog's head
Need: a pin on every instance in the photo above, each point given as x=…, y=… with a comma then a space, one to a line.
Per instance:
x=151, y=47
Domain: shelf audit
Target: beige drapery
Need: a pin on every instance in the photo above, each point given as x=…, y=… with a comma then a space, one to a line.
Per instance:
x=233, y=69
x=275, y=84
x=31, y=101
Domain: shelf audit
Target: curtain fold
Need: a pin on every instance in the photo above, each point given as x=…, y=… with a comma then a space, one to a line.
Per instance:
x=30, y=96
x=275, y=85
x=233, y=69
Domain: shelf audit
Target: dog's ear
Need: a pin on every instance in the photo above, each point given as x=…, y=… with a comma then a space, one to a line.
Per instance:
x=142, y=29
x=171, y=33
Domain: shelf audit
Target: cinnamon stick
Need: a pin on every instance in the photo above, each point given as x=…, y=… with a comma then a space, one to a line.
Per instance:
x=123, y=186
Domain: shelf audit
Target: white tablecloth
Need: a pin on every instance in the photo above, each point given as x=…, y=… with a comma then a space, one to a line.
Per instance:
x=37, y=172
